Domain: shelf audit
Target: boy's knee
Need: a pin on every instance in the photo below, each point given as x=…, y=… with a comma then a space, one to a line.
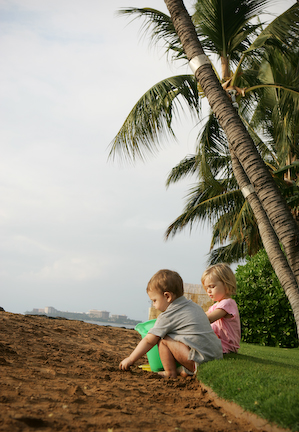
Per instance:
x=164, y=342
x=161, y=342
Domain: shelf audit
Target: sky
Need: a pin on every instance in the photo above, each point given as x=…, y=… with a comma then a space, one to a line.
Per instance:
x=80, y=231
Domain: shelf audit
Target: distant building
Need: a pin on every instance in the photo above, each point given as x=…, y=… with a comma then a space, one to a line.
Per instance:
x=99, y=314
x=117, y=317
x=36, y=311
x=50, y=310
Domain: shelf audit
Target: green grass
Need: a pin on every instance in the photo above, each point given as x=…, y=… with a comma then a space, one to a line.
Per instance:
x=262, y=380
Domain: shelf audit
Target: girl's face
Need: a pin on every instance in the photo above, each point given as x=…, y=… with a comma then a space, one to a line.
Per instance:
x=215, y=289
x=160, y=301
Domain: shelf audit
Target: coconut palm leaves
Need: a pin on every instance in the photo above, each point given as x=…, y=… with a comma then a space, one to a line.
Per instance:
x=152, y=116
x=225, y=28
x=160, y=27
x=216, y=198
x=259, y=66
x=283, y=30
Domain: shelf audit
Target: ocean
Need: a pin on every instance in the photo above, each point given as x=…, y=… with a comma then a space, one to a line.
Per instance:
x=110, y=324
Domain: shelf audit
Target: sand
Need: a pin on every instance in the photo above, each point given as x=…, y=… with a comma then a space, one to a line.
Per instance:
x=62, y=375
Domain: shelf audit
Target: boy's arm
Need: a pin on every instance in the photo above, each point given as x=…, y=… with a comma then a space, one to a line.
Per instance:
x=217, y=314
x=142, y=348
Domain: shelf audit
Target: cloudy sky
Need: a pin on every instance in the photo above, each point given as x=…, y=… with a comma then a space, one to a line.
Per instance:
x=79, y=231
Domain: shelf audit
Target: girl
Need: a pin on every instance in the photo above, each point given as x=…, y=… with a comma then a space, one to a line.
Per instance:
x=220, y=284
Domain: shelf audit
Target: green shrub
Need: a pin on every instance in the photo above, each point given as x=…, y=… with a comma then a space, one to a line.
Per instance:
x=265, y=312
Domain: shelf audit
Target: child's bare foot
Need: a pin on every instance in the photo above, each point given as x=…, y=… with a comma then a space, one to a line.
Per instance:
x=184, y=372
x=165, y=374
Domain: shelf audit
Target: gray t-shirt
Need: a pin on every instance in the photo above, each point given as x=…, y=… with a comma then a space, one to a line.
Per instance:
x=186, y=322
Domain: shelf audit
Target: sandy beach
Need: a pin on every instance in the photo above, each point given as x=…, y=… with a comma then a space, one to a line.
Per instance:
x=62, y=375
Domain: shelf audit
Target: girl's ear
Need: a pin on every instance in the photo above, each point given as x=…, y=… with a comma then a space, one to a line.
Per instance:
x=226, y=289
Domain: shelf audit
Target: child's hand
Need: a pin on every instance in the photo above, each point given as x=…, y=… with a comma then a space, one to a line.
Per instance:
x=125, y=364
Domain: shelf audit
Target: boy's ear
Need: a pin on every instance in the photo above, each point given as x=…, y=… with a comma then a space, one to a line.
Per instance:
x=169, y=295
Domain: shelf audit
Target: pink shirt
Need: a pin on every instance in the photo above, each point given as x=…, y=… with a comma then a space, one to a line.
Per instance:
x=228, y=329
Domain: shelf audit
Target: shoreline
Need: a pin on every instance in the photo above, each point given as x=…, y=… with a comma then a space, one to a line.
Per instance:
x=112, y=324
x=129, y=324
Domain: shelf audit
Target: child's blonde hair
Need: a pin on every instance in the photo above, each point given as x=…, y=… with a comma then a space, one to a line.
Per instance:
x=166, y=281
x=224, y=274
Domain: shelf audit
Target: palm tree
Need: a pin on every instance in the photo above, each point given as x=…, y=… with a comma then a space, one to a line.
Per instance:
x=159, y=106
x=271, y=209
x=229, y=40
x=227, y=31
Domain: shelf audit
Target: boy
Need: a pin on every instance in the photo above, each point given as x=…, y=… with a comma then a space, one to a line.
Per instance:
x=182, y=331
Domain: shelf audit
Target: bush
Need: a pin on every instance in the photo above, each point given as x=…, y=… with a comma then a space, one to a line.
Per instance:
x=265, y=312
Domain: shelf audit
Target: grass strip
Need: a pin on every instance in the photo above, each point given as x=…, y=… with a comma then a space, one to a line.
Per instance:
x=262, y=380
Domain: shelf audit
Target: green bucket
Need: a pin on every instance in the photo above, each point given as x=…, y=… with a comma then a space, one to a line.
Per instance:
x=153, y=354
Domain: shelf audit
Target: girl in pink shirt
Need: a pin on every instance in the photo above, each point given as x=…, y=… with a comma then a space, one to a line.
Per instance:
x=220, y=284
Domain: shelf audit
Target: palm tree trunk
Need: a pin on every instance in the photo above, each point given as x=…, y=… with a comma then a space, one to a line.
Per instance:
x=268, y=194
x=270, y=242
x=225, y=74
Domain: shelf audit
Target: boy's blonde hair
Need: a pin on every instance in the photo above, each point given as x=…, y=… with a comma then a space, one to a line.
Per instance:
x=224, y=274
x=166, y=281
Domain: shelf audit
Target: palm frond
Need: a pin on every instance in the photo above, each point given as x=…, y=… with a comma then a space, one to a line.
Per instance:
x=152, y=116
x=284, y=30
x=231, y=253
x=293, y=166
x=205, y=204
x=234, y=224
x=212, y=157
x=187, y=167
x=213, y=151
x=224, y=25
x=159, y=26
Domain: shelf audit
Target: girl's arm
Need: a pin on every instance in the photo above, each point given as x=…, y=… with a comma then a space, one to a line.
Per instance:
x=142, y=348
x=217, y=314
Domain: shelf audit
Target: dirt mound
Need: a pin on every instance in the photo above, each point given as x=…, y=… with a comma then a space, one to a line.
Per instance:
x=62, y=375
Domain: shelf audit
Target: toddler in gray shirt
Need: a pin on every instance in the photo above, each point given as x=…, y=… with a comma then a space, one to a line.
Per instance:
x=182, y=331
